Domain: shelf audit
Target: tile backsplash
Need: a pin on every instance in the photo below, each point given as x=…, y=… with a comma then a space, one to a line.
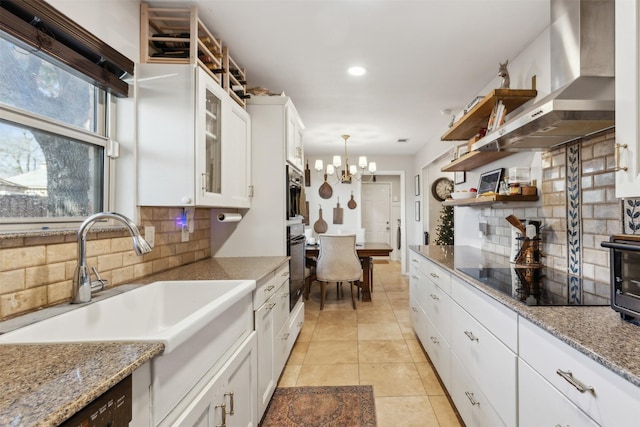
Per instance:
x=36, y=270
x=578, y=209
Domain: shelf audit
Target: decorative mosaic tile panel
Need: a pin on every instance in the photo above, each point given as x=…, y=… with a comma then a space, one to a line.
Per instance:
x=574, y=220
x=631, y=216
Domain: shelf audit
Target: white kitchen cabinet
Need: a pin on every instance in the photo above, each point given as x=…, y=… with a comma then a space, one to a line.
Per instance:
x=431, y=312
x=490, y=363
x=627, y=13
x=265, y=223
x=540, y=404
x=604, y=396
x=295, y=128
x=474, y=408
x=271, y=305
x=193, y=140
x=288, y=334
x=229, y=399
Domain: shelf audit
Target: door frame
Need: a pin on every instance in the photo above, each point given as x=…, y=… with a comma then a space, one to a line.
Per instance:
x=403, y=214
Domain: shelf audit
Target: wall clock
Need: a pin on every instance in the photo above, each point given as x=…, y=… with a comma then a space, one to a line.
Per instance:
x=441, y=188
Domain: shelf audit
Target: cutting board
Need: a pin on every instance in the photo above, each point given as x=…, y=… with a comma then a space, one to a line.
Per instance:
x=325, y=191
x=337, y=213
x=320, y=226
x=351, y=204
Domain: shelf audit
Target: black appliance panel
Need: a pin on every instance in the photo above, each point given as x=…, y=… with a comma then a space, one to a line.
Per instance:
x=112, y=408
x=625, y=275
x=295, y=251
x=538, y=286
x=295, y=182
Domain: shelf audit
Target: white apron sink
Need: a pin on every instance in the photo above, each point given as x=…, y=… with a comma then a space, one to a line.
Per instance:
x=198, y=321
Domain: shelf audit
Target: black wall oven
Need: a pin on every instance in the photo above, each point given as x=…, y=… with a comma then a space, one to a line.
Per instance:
x=295, y=250
x=625, y=275
x=295, y=182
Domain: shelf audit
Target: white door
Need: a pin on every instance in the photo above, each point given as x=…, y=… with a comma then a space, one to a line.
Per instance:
x=376, y=211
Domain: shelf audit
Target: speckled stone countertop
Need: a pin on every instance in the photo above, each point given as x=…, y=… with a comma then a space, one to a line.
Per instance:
x=597, y=332
x=46, y=384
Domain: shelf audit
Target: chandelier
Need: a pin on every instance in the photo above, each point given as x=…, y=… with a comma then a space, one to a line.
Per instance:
x=348, y=171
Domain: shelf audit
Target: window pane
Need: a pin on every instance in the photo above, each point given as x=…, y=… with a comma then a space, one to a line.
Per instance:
x=33, y=84
x=43, y=175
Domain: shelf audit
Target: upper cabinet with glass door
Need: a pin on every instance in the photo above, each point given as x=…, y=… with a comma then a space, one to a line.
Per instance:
x=189, y=145
x=627, y=98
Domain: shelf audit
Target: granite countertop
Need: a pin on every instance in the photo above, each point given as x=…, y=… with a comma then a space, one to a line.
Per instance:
x=596, y=331
x=45, y=384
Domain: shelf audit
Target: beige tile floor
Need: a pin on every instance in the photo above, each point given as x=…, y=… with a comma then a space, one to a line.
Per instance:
x=373, y=344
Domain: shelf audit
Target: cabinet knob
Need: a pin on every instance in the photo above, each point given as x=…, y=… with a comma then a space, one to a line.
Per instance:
x=186, y=200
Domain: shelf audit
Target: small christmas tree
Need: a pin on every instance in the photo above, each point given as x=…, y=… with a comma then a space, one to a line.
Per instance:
x=444, y=229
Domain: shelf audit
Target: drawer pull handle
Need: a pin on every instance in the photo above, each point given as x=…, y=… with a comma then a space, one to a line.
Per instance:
x=285, y=274
x=415, y=277
x=470, y=335
x=230, y=394
x=300, y=324
x=471, y=398
x=284, y=295
x=269, y=288
x=285, y=337
x=434, y=296
x=414, y=260
x=270, y=306
x=434, y=275
x=434, y=340
x=568, y=376
x=224, y=415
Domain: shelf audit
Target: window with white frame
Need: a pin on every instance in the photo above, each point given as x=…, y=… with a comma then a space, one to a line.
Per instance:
x=53, y=134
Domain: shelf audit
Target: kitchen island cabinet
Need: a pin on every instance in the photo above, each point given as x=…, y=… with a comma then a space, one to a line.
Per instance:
x=193, y=140
x=593, y=341
x=627, y=15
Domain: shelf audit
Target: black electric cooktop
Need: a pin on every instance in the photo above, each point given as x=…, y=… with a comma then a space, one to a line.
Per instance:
x=541, y=286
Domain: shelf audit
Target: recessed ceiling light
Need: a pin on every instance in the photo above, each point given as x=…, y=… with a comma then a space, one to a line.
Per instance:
x=357, y=71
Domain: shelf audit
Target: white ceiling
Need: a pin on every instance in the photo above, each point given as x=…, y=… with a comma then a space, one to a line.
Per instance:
x=422, y=57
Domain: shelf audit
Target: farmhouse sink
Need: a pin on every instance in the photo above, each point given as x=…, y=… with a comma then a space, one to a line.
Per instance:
x=198, y=321
x=166, y=311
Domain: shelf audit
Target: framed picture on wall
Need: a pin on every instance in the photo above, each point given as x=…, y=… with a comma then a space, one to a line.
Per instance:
x=417, y=211
x=459, y=177
x=416, y=184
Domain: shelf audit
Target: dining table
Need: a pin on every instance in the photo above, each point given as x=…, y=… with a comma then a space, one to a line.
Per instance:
x=365, y=252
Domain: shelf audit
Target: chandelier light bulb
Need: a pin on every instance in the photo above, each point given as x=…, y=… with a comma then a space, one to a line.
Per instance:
x=337, y=161
x=362, y=162
x=319, y=166
x=372, y=167
x=330, y=170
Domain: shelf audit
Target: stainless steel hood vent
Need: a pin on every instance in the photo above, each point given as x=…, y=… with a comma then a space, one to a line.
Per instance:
x=582, y=101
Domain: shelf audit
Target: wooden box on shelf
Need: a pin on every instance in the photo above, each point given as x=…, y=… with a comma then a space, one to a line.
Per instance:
x=173, y=35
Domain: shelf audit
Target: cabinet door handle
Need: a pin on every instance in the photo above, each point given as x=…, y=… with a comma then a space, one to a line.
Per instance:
x=470, y=335
x=471, y=398
x=224, y=415
x=617, y=158
x=230, y=394
x=434, y=296
x=204, y=181
x=568, y=376
x=434, y=275
x=434, y=340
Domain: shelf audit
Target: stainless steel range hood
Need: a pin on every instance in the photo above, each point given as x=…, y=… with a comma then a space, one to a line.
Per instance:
x=582, y=100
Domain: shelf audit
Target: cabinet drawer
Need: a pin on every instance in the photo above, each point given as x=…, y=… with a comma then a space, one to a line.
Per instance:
x=418, y=320
x=281, y=308
x=534, y=393
x=436, y=274
x=489, y=362
x=269, y=285
x=474, y=408
x=286, y=337
x=439, y=352
x=613, y=401
x=438, y=309
x=502, y=322
x=419, y=288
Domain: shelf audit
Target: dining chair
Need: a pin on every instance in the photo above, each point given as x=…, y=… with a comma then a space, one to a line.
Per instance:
x=337, y=262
